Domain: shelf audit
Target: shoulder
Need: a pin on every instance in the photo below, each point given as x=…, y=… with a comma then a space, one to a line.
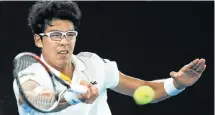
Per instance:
x=100, y=68
x=35, y=72
x=32, y=70
x=93, y=57
x=89, y=57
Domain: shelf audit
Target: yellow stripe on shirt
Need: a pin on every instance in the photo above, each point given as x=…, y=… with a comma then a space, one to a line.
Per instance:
x=65, y=78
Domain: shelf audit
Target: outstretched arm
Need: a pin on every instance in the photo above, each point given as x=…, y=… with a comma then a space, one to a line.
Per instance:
x=185, y=77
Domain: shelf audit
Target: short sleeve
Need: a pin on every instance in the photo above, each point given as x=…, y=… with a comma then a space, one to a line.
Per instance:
x=105, y=70
x=111, y=73
x=16, y=90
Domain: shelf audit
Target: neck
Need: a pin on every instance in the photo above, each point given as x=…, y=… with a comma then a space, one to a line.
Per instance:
x=66, y=69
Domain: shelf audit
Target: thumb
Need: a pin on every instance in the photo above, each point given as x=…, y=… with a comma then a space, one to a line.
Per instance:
x=85, y=83
x=173, y=74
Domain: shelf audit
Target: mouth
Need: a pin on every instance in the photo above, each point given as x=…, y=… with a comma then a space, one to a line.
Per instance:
x=63, y=52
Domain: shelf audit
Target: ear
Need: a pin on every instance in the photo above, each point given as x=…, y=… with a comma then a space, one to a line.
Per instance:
x=38, y=41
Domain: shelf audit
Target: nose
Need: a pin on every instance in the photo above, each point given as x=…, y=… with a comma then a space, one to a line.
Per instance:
x=64, y=40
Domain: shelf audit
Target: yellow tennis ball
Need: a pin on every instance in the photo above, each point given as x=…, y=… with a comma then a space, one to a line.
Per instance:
x=143, y=95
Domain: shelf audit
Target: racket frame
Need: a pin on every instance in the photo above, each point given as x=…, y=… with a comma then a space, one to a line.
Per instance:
x=52, y=76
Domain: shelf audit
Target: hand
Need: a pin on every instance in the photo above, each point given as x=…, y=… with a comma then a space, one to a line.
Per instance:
x=91, y=94
x=188, y=74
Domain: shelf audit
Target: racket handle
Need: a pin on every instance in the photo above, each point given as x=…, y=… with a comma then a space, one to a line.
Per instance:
x=79, y=89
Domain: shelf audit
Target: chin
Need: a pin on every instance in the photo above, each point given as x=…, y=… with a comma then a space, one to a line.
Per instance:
x=63, y=60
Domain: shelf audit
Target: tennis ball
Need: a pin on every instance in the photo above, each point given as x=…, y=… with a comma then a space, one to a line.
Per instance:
x=143, y=95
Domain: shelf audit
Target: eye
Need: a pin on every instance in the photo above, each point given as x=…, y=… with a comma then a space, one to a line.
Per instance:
x=55, y=34
x=71, y=34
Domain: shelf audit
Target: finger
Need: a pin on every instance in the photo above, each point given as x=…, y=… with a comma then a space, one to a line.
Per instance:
x=201, y=69
x=191, y=73
x=94, y=90
x=86, y=96
x=85, y=83
x=200, y=62
x=173, y=74
x=193, y=63
x=94, y=94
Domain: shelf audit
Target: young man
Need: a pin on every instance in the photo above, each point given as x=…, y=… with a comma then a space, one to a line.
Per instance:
x=54, y=25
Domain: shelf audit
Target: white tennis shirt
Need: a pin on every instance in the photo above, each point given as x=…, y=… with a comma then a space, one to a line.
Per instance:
x=89, y=67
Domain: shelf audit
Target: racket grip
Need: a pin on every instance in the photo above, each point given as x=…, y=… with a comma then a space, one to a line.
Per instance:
x=79, y=89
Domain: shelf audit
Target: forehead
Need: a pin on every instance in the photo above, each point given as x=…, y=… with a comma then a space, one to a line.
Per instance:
x=59, y=25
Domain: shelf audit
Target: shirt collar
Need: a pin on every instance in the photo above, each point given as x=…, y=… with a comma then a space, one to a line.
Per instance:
x=78, y=64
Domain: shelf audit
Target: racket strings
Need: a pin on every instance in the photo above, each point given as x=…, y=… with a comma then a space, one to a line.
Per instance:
x=23, y=63
x=42, y=101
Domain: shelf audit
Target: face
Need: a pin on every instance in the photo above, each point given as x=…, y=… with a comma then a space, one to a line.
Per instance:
x=57, y=53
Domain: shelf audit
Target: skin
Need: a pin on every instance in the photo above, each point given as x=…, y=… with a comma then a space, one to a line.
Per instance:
x=185, y=77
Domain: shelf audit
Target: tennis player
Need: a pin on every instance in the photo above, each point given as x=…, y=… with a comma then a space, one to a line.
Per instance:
x=54, y=25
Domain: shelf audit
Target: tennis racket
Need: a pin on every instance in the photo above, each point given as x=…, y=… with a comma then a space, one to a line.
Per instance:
x=42, y=100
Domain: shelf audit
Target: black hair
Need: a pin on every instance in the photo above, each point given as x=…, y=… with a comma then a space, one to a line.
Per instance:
x=43, y=12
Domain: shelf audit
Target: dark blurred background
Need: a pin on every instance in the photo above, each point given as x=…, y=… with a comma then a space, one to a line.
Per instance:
x=146, y=39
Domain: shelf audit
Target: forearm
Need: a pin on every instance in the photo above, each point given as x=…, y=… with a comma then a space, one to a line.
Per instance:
x=160, y=93
x=128, y=85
